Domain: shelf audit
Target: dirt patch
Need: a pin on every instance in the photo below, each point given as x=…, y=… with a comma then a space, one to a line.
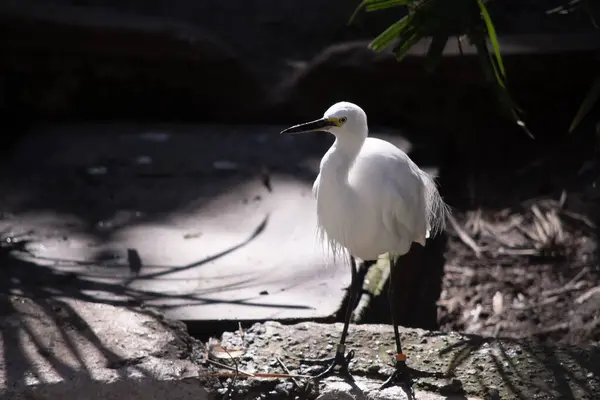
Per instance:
x=522, y=255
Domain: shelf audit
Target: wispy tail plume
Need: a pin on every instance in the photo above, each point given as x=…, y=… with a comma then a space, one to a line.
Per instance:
x=436, y=209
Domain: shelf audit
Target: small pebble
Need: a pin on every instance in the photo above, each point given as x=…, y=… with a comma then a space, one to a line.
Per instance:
x=284, y=388
x=257, y=329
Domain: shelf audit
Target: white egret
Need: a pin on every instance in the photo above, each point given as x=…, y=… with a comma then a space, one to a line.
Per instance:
x=372, y=199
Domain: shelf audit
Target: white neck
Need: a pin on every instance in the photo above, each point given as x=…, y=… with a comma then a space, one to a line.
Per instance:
x=339, y=158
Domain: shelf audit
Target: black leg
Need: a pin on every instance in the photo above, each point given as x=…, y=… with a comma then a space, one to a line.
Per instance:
x=401, y=373
x=354, y=290
x=341, y=359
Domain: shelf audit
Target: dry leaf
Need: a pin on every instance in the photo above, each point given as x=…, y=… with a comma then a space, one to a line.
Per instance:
x=498, y=303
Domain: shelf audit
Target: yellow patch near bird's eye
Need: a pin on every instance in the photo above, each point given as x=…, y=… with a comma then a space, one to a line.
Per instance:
x=338, y=121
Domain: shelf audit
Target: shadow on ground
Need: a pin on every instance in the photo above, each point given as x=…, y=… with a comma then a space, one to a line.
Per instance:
x=526, y=369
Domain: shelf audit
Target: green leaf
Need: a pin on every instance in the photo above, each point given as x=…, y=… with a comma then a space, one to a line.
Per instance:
x=401, y=50
x=435, y=51
x=356, y=11
x=372, y=5
x=382, y=5
x=386, y=37
x=589, y=101
x=493, y=76
x=489, y=68
x=492, y=34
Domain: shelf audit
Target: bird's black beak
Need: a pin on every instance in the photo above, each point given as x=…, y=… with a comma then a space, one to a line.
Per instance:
x=312, y=126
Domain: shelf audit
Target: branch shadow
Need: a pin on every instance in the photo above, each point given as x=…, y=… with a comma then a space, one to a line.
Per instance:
x=525, y=368
x=41, y=282
x=32, y=292
x=31, y=337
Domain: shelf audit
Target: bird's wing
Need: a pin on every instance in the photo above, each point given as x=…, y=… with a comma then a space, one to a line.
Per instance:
x=407, y=209
x=389, y=181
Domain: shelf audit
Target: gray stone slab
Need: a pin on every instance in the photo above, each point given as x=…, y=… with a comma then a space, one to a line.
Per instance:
x=176, y=217
x=71, y=349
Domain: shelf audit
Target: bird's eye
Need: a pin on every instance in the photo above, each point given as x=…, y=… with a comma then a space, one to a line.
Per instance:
x=342, y=120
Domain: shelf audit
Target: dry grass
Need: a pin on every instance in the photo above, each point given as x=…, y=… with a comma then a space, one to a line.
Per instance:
x=529, y=270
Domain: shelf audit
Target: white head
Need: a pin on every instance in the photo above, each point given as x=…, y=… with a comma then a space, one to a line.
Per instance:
x=345, y=120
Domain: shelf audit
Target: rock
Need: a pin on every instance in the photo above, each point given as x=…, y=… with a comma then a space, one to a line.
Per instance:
x=90, y=62
x=402, y=95
x=71, y=349
x=453, y=100
x=454, y=366
x=390, y=393
x=208, y=60
x=336, y=390
x=350, y=71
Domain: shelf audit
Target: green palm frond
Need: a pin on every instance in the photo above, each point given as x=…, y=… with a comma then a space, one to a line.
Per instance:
x=439, y=20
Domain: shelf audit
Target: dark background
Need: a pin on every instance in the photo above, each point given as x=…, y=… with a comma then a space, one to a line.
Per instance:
x=263, y=62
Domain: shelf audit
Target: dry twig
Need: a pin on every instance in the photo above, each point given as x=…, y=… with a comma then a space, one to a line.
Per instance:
x=587, y=295
x=287, y=371
x=235, y=369
x=464, y=236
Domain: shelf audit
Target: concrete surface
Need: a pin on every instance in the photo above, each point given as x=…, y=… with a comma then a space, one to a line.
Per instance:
x=176, y=217
x=70, y=349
